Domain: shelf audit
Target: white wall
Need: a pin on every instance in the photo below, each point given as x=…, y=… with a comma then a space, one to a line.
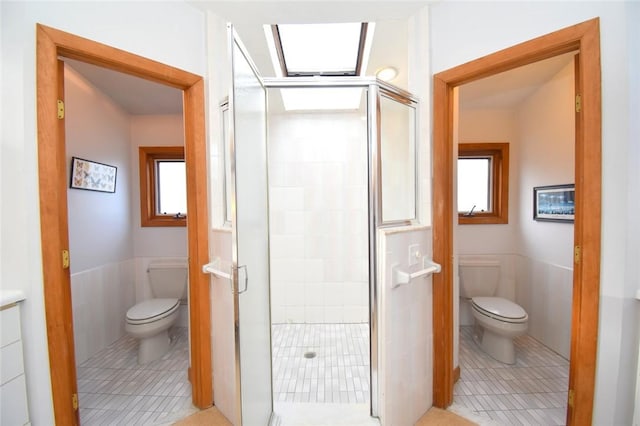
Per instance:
x=318, y=217
x=546, y=135
x=222, y=328
x=491, y=125
x=154, y=130
x=526, y=20
x=97, y=130
x=629, y=355
x=168, y=32
x=405, y=329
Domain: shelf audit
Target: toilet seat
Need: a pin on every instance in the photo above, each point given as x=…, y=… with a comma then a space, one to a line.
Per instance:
x=152, y=310
x=500, y=309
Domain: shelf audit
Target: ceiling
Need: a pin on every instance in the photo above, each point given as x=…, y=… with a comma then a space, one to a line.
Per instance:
x=133, y=94
x=511, y=88
x=389, y=48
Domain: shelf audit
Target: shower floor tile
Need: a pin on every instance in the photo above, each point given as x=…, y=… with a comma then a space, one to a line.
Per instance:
x=531, y=392
x=114, y=390
x=321, y=363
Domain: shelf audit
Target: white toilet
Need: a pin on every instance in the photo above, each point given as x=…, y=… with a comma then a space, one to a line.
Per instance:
x=499, y=319
x=150, y=320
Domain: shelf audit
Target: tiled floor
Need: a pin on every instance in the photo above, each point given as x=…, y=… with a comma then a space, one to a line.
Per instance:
x=114, y=390
x=339, y=372
x=531, y=392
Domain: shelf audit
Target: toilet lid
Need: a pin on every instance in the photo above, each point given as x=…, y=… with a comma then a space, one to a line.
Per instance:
x=499, y=307
x=152, y=309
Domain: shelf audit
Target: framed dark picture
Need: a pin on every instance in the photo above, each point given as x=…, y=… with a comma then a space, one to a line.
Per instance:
x=92, y=176
x=555, y=203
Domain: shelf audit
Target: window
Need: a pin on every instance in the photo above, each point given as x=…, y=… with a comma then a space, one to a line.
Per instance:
x=321, y=49
x=163, y=186
x=483, y=183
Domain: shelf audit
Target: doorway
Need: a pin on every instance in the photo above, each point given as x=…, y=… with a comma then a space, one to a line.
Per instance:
x=52, y=44
x=584, y=38
x=532, y=259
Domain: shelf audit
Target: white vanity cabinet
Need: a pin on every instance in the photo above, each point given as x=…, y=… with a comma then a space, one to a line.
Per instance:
x=13, y=390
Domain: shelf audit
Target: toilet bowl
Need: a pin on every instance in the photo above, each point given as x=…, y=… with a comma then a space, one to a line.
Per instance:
x=150, y=320
x=500, y=321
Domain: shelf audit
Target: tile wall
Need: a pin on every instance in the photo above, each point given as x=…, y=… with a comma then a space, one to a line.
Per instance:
x=545, y=291
x=406, y=331
x=318, y=218
x=100, y=300
x=222, y=330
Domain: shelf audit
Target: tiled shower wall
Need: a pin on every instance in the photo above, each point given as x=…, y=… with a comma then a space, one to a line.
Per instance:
x=318, y=217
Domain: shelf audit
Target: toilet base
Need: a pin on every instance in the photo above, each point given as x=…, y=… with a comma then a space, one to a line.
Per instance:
x=153, y=347
x=497, y=346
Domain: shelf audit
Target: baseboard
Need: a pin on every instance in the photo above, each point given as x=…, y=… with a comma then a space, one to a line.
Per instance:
x=456, y=374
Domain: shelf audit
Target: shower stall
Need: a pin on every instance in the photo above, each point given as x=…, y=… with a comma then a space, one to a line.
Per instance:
x=315, y=167
x=341, y=155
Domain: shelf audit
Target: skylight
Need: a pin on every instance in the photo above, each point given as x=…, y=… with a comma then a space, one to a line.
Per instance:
x=325, y=99
x=320, y=49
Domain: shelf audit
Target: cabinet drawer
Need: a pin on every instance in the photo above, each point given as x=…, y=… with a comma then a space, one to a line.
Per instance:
x=10, y=325
x=11, y=362
x=13, y=402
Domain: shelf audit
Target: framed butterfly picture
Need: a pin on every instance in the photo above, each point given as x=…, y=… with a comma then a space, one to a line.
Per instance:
x=92, y=176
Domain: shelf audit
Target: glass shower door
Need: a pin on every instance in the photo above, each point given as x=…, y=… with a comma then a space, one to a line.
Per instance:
x=250, y=236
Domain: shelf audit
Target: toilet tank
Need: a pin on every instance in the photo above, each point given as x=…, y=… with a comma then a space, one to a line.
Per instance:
x=168, y=279
x=478, y=277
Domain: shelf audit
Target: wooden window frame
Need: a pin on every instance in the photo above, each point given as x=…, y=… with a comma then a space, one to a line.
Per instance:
x=148, y=156
x=499, y=185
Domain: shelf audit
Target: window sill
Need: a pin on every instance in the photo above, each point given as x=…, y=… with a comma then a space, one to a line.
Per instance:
x=160, y=221
x=481, y=219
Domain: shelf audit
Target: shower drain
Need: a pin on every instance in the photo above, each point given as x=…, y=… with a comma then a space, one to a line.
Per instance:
x=310, y=354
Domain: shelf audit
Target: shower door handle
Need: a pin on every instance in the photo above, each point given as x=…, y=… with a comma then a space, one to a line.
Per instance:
x=246, y=278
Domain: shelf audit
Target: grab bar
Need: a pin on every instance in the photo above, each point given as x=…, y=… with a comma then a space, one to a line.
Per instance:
x=401, y=277
x=214, y=269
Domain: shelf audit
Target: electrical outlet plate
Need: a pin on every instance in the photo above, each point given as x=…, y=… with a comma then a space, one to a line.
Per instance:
x=414, y=254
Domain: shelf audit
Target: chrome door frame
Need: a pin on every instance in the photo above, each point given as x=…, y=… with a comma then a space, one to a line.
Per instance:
x=234, y=39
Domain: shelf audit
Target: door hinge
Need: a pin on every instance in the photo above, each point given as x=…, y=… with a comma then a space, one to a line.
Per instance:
x=577, y=254
x=60, y=109
x=74, y=401
x=572, y=398
x=65, y=259
x=578, y=103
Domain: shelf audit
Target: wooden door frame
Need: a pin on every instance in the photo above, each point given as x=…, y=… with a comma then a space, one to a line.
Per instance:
x=52, y=44
x=585, y=38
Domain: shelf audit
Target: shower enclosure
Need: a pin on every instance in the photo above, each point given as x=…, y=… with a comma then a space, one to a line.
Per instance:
x=382, y=171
